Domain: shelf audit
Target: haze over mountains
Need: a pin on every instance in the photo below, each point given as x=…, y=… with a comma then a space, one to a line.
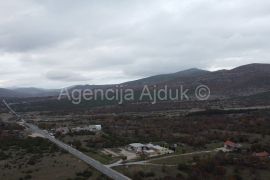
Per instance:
x=28, y=92
x=244, y=80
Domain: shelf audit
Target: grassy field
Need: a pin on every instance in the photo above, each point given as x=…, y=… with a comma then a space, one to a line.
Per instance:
x=92, y=152
x=174, y=160
x=59, y=166
x=147, y=172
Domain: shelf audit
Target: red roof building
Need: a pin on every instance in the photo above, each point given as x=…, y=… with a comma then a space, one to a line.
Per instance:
x=262, y=154
x=231, y=145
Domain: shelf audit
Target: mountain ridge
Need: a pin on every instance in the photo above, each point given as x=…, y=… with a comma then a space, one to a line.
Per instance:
x=243, y=80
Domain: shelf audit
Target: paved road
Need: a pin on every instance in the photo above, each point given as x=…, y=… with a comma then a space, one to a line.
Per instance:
x=92, y=162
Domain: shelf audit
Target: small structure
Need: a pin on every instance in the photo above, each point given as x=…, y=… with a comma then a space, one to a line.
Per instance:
x=262, y=155
x=34, y=135
x=95, y=127
x=232, y=146
x=137, y=147
x=148, y=149
x=91, y=128
x=158, y=149
x=150, y=152
x=62, y=130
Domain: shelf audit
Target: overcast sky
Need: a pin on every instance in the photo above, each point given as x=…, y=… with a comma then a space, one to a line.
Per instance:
x=53, y=44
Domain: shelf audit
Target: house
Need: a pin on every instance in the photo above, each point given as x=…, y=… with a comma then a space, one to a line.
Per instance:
x=77, y=129
x=231, y=146
x=158, y=149
x=91, y=128
x=149, y=153
x=137, y=147
x=148, y=149
x=262, y=155
x=62, y=130
x=94, y=127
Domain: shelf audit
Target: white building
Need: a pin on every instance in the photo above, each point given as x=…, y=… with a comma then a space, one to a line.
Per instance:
x=158, y=149
x=92, y=128
x=95, y=127
x=148, y=149
x=135, y=147
x=150, y=152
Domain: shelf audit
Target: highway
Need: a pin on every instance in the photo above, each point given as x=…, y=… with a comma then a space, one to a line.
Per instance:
x=92, y=162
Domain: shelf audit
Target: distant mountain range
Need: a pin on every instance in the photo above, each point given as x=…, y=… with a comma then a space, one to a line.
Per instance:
x=241, y=81
x=168, y=78
x=28, y=92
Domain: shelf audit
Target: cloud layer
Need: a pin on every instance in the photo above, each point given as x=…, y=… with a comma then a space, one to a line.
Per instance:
x=53, y=44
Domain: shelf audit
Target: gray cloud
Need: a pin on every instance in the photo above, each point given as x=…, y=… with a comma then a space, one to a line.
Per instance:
x=60, y=43
x=65, y=76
